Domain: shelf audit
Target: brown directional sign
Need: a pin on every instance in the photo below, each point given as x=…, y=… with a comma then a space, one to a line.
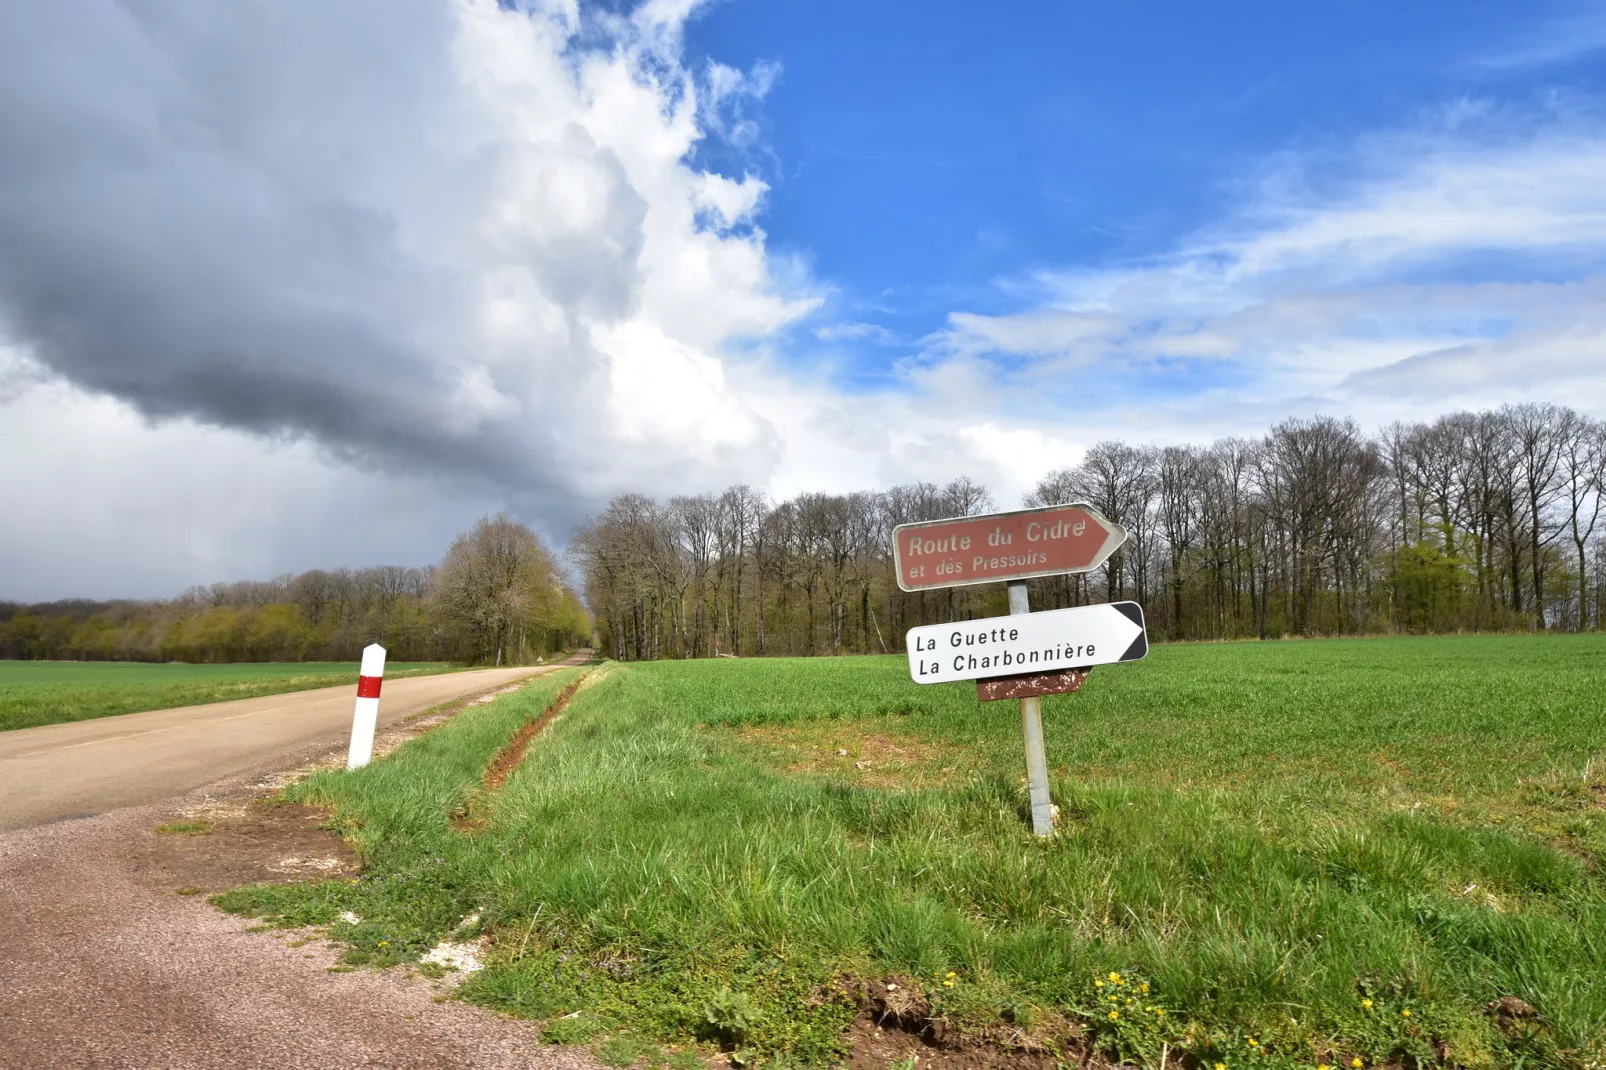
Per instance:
x=1050, y=541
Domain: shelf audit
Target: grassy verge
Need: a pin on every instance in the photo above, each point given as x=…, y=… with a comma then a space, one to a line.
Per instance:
x=49, y=692
x=1299, y=854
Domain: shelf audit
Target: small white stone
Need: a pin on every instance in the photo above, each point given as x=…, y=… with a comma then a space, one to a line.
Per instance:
x=464, y=958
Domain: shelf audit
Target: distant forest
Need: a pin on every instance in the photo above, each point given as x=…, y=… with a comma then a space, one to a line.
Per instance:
x=1478, y=521
x=497, y=598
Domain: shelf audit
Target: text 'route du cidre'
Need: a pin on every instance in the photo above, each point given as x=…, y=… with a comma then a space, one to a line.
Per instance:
x=1013, y=546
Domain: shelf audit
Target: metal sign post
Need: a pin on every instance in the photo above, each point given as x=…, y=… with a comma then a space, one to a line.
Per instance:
x=1034, y=654
x=1031, y=726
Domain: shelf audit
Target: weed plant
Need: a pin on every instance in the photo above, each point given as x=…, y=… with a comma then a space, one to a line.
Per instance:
x=1287, y=854
x=49, y=692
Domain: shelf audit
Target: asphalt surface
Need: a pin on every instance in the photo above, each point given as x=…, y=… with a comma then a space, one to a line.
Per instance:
x=91, y=767
x=104, y=966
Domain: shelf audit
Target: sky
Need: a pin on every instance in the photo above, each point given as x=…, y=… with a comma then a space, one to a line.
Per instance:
x=287, y=285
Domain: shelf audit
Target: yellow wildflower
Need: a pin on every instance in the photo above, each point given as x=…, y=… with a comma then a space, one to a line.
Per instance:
x=1098, y=984
x=1253, y=1043
x=1115, y=978
x=1405, y=1014
x=952, y=975
x=1356, y=1063
x=1366, y=1003
x=1145, y=986
x=1114, y=1015
x=1221, y=1066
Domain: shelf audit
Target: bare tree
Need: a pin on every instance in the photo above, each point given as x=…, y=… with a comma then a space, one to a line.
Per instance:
x=1314, y=528
x=1537, y=431
x=494, y=580
x=1118, y=480
x=1583, y=474
x=1180, y=480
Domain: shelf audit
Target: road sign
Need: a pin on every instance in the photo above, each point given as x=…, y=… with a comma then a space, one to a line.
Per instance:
x=1027, y=642
x=999, y=547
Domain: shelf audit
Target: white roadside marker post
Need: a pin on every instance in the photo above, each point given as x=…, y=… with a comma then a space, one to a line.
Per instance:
x=366, y=716
x=1031, y=724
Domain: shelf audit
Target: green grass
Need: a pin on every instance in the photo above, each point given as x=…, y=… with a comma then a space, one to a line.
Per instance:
x=185, y=828
x=48, y=692
x=1293, y=844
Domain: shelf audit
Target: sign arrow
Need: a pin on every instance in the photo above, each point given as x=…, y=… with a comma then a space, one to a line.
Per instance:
x=1000, y=547
x=1027, y=642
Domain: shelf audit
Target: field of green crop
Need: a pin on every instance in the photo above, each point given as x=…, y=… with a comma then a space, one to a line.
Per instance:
x=1333, y=853
x=48, y=692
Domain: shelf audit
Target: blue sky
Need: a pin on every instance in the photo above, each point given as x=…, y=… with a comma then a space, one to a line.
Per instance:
x=934, y=156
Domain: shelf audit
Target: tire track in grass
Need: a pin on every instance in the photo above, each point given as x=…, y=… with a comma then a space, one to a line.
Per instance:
x=470, y=817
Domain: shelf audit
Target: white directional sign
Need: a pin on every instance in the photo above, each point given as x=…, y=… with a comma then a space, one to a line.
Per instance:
x=1027, y=643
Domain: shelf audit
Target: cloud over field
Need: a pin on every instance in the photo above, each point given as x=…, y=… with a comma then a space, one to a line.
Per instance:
x=431, y=236
x=287, y=283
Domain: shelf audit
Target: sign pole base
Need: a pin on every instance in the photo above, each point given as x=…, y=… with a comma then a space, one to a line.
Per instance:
x=1031, y=723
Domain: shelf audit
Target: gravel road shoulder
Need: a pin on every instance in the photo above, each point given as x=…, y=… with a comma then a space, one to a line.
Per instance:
x=107, y=965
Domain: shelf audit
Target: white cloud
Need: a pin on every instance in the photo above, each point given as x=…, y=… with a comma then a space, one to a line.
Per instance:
x=1557, y=41
x=426, y=258
x=324, y=313
x=102, y=503
x=480, y=255
x=1460, y=271
x=855, y=332
x=1543, y=196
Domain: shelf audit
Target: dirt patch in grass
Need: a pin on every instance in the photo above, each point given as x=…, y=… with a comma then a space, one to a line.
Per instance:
x=854, y=752
x=895, y=1028
x=470, y=817
x=257, y=842
x=509, y=757
x=873, y=1047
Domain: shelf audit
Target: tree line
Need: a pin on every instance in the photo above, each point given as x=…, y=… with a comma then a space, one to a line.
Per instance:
x=497, y=597
x=1477, y=521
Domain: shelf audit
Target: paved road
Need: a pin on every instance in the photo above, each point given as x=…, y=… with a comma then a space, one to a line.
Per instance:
x=92, y=767
x=104, y=967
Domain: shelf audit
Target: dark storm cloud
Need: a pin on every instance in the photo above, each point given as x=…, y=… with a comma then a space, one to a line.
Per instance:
x=260, y=215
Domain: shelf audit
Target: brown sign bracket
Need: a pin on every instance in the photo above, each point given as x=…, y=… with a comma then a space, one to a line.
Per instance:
x=1031, y=684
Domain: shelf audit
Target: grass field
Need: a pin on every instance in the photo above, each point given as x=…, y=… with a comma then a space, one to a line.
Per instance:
x=1284, y=854
x=48, y=692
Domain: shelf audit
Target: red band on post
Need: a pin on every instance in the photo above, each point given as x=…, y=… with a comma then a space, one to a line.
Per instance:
x=368, y=686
